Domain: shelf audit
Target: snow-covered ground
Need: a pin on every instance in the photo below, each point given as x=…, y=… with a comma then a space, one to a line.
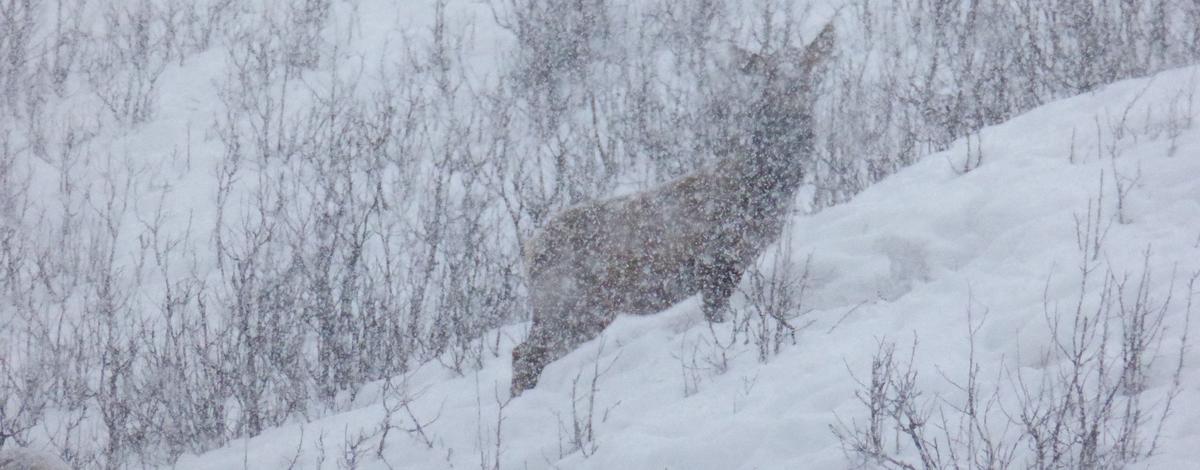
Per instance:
x=912, y=258
x=926, y=257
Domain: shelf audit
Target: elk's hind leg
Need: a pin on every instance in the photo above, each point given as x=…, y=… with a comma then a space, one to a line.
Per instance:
x=718, y=278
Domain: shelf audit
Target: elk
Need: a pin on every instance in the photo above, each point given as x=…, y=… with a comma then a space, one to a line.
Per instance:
x=644, y=252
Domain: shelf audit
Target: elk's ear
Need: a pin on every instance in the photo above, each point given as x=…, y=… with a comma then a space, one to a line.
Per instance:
x=819, y=49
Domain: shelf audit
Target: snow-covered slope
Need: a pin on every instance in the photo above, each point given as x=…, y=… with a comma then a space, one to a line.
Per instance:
x=922, y=257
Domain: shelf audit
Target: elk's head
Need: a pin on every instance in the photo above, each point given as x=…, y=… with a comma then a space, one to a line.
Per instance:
x=782, y=69
x=772, y=110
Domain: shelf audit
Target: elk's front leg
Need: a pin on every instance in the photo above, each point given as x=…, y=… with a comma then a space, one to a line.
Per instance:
x=529, y=358
x=718, y=277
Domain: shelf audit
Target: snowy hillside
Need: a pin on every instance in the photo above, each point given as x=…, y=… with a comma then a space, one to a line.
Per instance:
x=923, y=258
x=288, y=233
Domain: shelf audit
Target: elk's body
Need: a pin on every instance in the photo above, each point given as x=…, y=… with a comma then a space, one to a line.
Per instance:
x=643, y=252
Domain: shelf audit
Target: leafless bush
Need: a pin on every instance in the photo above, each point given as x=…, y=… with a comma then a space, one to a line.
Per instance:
x=1179, y=114
x=1086, y=410
x=949, y=69
x=205, y=21
x=23, y=399
x=490, y=442
x=904, y=430
x=890, y=401
x=478, y=291
x=556, y=43
x=709, y=353
x=18, y=26
x=579, y=435
x=395, y=398
x=262, y=336
x=304, y=21
x=354, y=448
x=689, y=366
x=65, y=47
x=312, y=295
x=774, y=300
x=180, y=351
x=124, y=72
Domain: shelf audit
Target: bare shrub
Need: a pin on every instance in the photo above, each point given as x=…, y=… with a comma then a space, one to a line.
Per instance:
x=18, y=28
x=774, y=301
x=490, y=440
x=556, y=43
x=124, y=72
x=23, y=399
x=944, y=70
x=579, y=434
x=397, y=397
x=1086, y=410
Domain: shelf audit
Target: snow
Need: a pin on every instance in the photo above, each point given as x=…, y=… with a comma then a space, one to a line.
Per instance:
x=905, y=259
x=26, y=459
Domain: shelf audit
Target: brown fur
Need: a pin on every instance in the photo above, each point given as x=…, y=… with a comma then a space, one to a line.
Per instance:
x=644, y=252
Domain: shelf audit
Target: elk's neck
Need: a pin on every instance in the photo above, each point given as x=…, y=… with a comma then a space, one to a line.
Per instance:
x=771, y=169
